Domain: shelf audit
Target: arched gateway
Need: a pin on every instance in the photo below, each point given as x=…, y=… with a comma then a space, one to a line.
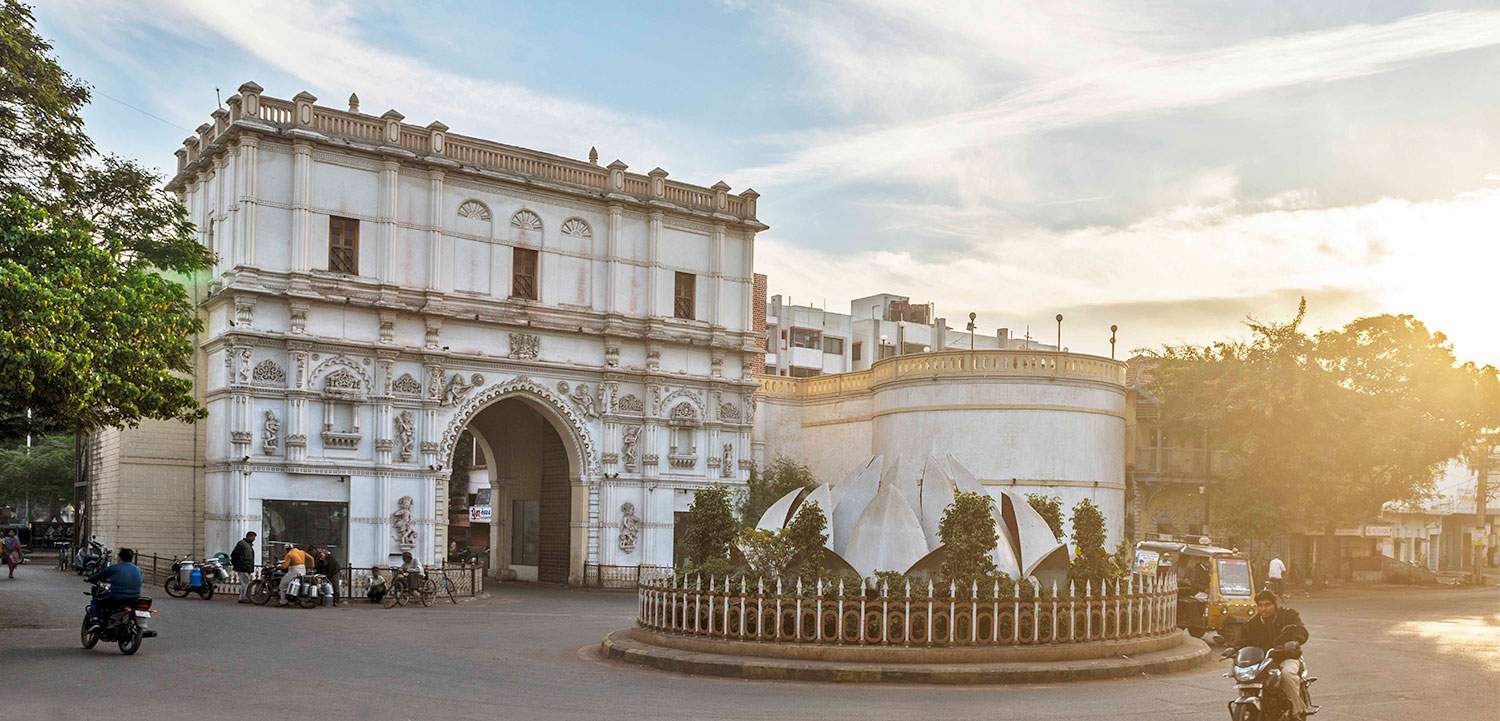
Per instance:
x=542, y=468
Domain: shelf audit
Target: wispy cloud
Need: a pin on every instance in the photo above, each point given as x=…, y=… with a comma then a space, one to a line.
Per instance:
x=1130, y=85
x=1394, y=255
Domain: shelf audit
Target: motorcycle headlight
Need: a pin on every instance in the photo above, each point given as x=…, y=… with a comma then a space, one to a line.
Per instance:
x=1245, y=675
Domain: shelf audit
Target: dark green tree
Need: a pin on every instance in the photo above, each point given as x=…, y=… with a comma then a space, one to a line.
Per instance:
x=1051, y=509
x=1324, y=429
x=969, y=535
x=42, y=473
x=807, y=536
x=710, y=526
x=767, y=485
x=91, y=333
x=1090, y=561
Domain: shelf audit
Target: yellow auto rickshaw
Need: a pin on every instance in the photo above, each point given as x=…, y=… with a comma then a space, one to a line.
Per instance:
x=1215, y=590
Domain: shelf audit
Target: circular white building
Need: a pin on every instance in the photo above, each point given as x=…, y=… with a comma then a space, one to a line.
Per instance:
x=1023, y=421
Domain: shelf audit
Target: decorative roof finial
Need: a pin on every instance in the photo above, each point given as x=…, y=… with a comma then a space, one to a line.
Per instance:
x=594, y=156
x=353, y=103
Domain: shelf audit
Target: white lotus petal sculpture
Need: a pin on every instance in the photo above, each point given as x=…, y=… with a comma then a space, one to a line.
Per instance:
x=885, y=516
x=887, y=537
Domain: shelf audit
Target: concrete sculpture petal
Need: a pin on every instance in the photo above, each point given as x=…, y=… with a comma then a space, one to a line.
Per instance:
x=937, y=495
x=849, y=504
x=907, y=477
x=1040, y=551
x=779, y=513
x=887, y=536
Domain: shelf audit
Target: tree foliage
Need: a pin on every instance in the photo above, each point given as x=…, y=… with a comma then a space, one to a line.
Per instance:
x=91, y=334
x=43, y=472
x=710, y=526
x=1325, y=428
x=1090, y=561
x=969, y=534
x=807, y=537
x=1050, y=507
x=767, y=485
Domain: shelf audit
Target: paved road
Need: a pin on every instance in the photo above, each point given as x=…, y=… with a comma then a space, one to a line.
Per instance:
x=529, y=653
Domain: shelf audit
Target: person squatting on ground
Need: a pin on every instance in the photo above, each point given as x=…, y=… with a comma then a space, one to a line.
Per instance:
x=295, y=562
x=1265, y=632
x=124, y=580
x=242, y=558
x=10, y=547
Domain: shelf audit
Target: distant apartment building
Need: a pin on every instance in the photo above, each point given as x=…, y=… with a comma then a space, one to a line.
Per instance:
x=803, y=341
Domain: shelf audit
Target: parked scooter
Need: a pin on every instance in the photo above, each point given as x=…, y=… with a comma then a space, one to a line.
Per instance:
x=1257, y=681
x=92, y=558
x=122, y=623
x=190, y=577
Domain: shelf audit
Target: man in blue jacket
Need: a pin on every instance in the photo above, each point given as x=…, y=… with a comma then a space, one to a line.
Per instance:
x=124, y=580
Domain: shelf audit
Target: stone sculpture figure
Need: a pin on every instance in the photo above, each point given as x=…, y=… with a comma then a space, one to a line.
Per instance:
x=728, y=468
x=455, y=390
x=406, y=432
x=271, y=440
x=404, y=524
x=630, y=527
x=244, y=371
x=582, y=398
x=628, y=448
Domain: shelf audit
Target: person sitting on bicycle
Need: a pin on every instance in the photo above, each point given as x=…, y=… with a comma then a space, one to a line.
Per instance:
x=411, y=570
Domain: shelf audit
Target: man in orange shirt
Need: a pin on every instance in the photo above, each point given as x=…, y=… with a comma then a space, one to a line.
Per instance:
x=295, y=562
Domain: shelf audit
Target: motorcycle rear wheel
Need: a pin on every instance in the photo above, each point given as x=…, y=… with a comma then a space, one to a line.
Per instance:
x=132, y=643
x=206, y=591
x=308, y=601
x=175, y=589
x=259, y=592
x=88, y=637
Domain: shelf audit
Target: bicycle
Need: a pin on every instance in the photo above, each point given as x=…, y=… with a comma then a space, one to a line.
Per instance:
x=402, y=593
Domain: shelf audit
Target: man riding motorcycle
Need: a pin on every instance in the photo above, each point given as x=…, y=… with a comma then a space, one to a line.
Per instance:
x=1268, y=630
x=124, y=580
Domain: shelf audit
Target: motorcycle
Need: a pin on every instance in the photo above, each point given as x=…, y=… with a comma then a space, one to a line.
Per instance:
x=189, y=577
x=92, y=558
x=1256, y=674
x=122, y=622
x=264, y=586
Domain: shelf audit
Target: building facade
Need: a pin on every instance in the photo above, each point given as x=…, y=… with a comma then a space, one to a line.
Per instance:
x=804, y=341
x=381, y=287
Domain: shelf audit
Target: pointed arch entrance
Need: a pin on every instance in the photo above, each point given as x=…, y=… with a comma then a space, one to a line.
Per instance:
x=536, y=454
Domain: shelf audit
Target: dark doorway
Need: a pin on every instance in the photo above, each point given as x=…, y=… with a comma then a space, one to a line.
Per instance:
x=552, y=551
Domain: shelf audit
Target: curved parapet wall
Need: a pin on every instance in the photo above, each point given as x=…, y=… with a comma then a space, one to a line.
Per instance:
x=1028, y=421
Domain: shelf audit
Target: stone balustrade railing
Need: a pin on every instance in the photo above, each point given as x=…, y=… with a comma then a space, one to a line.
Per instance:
x=1034, y=364
x=435, y=140
x=1133, y=608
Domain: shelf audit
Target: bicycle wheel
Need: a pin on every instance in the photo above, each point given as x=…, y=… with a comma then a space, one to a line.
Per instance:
x=427, y=592
x=403, y=597
x=389, y=600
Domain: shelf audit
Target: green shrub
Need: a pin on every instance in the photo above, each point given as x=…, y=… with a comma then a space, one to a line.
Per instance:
x=969, y=536
x=1090, y=561
x=1051, y=509
x=710, y=526
x=769, y=484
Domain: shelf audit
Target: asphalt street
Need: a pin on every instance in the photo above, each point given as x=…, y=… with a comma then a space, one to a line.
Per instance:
x=529, y=652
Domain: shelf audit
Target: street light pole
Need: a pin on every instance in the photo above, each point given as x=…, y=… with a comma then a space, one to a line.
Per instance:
x=1481, y=489
x=1112, y=330
x=1059, y=332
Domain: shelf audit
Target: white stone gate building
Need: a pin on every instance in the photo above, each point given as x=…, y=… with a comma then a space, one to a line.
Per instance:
x=382, y=286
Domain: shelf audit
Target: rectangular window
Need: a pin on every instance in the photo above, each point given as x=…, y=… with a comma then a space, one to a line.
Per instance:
x=855, y=351
x=833, y=346
x=684, y=304
x=805, y=338
x=523, y=274
x=343, y=245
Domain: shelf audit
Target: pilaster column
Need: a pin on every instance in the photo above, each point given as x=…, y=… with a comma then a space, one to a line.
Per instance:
x=301, y=206
x=249, y=194
x=653, y=264
x=435, y=224
x=385, y=261
x=716, y=275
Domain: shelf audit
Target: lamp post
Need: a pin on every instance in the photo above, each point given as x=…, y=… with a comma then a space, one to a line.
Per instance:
x=1112, y=330
x=1059, y=332
x=971, y=332
x=879, y=354
x=900, y=337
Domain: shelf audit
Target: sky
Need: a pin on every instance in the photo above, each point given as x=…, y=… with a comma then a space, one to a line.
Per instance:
x=1171, y=168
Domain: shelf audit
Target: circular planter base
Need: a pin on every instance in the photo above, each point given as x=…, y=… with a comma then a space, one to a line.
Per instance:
x=938, y=666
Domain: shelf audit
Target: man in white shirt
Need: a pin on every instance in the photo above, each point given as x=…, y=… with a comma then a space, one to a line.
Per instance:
x=1274, y=574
